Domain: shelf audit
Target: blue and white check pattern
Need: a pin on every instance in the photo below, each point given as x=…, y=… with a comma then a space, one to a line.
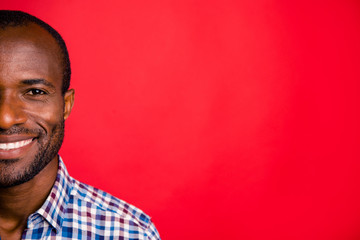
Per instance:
x=74, y=210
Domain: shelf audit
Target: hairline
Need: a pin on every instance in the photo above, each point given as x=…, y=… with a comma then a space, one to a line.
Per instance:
x=22, y=19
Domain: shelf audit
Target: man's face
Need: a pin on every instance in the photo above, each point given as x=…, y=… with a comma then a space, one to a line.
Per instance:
x=32, y=106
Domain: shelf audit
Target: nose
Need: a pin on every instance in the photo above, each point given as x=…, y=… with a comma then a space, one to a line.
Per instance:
x=11, y=112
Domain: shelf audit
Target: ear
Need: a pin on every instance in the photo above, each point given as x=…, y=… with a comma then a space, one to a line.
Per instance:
x=69, y=102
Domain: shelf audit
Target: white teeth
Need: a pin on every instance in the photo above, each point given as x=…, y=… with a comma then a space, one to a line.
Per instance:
x=14, y=145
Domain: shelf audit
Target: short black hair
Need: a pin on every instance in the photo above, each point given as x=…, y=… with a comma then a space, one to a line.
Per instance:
x=9, y=18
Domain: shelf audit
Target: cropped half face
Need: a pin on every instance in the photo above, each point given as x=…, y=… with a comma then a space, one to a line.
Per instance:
x=32, y=106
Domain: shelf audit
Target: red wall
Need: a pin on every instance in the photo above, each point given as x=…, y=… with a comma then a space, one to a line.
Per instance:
x=220, y=119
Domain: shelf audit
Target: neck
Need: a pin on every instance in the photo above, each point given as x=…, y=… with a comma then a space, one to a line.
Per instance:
x=18, y=202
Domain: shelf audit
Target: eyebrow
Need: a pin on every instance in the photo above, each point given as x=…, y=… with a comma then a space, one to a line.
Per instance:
x=38, y=81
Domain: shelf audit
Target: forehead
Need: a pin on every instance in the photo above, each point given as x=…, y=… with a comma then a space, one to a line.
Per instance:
x=29, y=52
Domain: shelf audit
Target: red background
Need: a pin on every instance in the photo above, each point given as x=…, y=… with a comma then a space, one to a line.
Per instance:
x=220, y=119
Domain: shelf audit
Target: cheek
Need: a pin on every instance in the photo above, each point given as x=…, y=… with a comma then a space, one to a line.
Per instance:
x=47, y=117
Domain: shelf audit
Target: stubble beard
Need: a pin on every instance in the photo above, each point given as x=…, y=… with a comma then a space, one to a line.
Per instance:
x=47, y=152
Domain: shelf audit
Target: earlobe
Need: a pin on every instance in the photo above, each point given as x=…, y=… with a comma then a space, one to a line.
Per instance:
x=68, y=102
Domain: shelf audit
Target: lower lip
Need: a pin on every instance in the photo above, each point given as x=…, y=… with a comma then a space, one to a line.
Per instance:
x=15, y=153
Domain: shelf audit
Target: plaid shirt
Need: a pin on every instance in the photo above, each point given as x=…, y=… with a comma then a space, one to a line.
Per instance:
x=74, y=210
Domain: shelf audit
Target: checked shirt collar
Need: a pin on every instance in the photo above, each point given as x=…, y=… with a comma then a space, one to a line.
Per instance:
x=54, y=207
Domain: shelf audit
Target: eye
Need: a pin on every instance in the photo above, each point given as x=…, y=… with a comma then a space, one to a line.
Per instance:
x=36, y=91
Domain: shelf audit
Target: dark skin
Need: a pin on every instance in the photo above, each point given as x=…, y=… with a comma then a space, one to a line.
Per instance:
x=30, y=98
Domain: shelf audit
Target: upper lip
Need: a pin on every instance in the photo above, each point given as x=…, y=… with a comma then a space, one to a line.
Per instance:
x=14, y=138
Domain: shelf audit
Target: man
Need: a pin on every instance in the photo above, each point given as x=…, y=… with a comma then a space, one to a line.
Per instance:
x=38, y=199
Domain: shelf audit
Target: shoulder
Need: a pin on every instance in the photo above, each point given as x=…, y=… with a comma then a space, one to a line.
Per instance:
x=104, y=211
x=104, y=201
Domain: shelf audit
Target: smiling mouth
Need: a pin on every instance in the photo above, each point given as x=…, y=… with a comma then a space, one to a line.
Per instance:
x=15, y=145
